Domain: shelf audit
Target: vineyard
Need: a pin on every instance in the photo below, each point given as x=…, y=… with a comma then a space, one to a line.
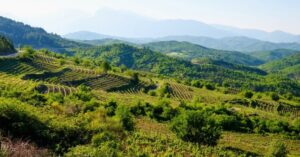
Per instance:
x=52, y=88
x=14, y=83
x=180, y=91
x=280, y=108
x=16, y=67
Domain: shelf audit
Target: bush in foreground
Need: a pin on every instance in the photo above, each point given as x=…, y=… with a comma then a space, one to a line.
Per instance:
x=277, y=149
x=196, y=126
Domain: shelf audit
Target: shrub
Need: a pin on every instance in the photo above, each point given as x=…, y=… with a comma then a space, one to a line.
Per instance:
x=152, y=93
x=196, y=83
x=209, y=86
x=101, y=138
x=248, y=94
x=105, y=66
x=275, y=97
x=164, y=90
x=296, y=124
x=163, y=111
x=125, y=118
x=111, y=108
x=277, y=149
x=135, y=78
x=195, y=126
x=22, y=120
x=138, y=109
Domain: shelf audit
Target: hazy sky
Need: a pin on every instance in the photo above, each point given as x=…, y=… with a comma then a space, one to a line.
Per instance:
x=268, y=15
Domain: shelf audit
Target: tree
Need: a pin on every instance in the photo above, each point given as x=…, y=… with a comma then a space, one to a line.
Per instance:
x=105, y=66
x=196, y=126
x=209, y=86
x=125, y=118
x=196, y=83
x=275, y=97
x=277, y=149
x=248, y=94
x=135, y=78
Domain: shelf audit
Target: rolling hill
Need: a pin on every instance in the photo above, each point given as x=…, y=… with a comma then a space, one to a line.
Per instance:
x=289, y=66
x=234, y=43
x=217, y=72
x=191, y=52
x=274, y=54
x=79, y=108
x=237, y=43
x=22, y=34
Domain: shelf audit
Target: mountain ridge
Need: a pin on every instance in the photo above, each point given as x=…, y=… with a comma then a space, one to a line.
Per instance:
x=237, y=43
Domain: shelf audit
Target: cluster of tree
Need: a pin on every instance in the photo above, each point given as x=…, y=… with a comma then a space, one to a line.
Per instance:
x=6, y=46
x=191, y=52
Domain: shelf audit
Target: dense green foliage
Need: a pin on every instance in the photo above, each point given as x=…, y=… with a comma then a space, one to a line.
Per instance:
x=22, y=34
x=277, y=149
x=223, y=74
x=273, y=55
x=122, y=100
x=195, y=127
x=6, y=46
x=191, y=52
x=288, y=66
x=241, y=44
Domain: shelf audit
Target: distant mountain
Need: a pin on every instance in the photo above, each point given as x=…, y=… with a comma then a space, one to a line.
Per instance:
x=86, y=35
x=131, y=25
x=275, y=36
x=22, y=34
x=6, y=46
x=241, y=44
x=274, y=54
x=193, y=52
x=106, y=41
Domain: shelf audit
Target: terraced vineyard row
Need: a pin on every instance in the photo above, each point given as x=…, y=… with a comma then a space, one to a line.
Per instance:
x=8, y=81
x=51, y=88
x=181, y=91
x=132, y=90
x=107, y=82
x=63, y=76
x=280, y=108
x=15, y=67
x=84, y=70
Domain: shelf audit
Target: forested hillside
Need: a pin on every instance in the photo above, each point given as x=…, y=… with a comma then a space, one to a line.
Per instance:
x=289, y=66
x=22, y=34
x=220, y=73
x=190, y=51
x=274, y=54
x=118, y=99
x=241, y=44
x=70, y=106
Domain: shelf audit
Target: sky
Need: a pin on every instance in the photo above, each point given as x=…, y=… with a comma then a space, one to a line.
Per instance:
x=267, y=15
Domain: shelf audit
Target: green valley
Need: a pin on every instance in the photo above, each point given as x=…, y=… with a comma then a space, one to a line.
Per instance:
x=113, y=98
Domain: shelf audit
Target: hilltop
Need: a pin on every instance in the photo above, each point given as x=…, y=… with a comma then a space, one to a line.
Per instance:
x=22, y=34
x=191, y=52
x=277, y=54
x=288, y=66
